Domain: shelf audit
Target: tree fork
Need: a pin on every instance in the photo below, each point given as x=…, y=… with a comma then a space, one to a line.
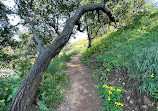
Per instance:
x=26, y=92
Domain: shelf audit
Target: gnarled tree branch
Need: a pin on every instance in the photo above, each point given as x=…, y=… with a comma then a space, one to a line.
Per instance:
x=55, y=47
x=39, y=42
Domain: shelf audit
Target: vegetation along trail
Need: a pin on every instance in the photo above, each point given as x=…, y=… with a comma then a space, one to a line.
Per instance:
x=83, y=95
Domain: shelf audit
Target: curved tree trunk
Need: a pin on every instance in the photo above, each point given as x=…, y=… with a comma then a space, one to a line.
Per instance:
x=25, y=94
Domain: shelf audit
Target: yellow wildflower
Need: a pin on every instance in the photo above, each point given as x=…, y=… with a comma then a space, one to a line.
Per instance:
x=119, y=79
x=110, y=92
x=108, y=69
x=93, y=74
x=119, y=90
x=112, y=88
x=152, y=75
x=109, y=99
x=118, y=104
x=121, y=104
x=3, y=100
x=123, y=83
x=105, y=85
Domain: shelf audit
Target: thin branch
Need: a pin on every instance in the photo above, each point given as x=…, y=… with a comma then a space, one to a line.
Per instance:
x=98, y=15
x=39, y=42
x=20, y=9
x=89, y=38
x=55, y=28
x=14, y=25
x=78, y=23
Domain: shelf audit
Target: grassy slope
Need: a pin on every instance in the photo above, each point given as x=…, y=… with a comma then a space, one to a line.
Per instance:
x=135, y=48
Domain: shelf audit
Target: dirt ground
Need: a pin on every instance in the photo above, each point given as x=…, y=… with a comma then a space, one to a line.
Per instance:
x=83, y=94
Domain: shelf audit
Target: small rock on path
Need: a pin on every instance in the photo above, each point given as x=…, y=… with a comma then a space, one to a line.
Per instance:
x=83, y=94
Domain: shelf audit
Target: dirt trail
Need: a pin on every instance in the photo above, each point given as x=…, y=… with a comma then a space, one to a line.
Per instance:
x=83, y=94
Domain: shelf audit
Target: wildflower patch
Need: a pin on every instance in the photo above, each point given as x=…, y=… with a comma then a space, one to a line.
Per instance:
x=111, y=97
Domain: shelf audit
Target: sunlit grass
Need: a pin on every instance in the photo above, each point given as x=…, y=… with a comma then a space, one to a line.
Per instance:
x=135, y=48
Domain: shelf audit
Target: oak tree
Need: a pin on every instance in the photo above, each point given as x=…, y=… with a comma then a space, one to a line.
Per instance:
x=46, y=25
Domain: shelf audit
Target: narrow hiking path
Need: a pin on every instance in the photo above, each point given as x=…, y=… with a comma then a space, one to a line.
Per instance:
x=83, y=94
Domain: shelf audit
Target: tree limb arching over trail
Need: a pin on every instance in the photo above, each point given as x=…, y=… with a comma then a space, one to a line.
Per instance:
x=26, y=92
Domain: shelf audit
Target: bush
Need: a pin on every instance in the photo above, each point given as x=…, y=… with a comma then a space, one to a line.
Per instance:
x=8, y=88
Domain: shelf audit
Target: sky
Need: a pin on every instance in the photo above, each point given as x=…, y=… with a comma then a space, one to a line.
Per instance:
x=15, y=19
x=79, y=36
x=12, y=18
x=156, y=2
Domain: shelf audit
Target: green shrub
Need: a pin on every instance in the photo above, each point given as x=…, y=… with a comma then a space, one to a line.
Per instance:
x=23, y=67
x=8, y=88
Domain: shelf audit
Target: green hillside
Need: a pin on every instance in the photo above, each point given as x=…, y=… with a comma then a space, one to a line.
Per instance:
x=133, y=53
x=41, y=69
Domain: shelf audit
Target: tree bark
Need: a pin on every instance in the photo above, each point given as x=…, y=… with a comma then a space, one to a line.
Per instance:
x=89, y=38
x=26, y=92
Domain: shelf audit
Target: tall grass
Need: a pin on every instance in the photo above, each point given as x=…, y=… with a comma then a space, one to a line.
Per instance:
x=55, y=82
x=135, y=49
